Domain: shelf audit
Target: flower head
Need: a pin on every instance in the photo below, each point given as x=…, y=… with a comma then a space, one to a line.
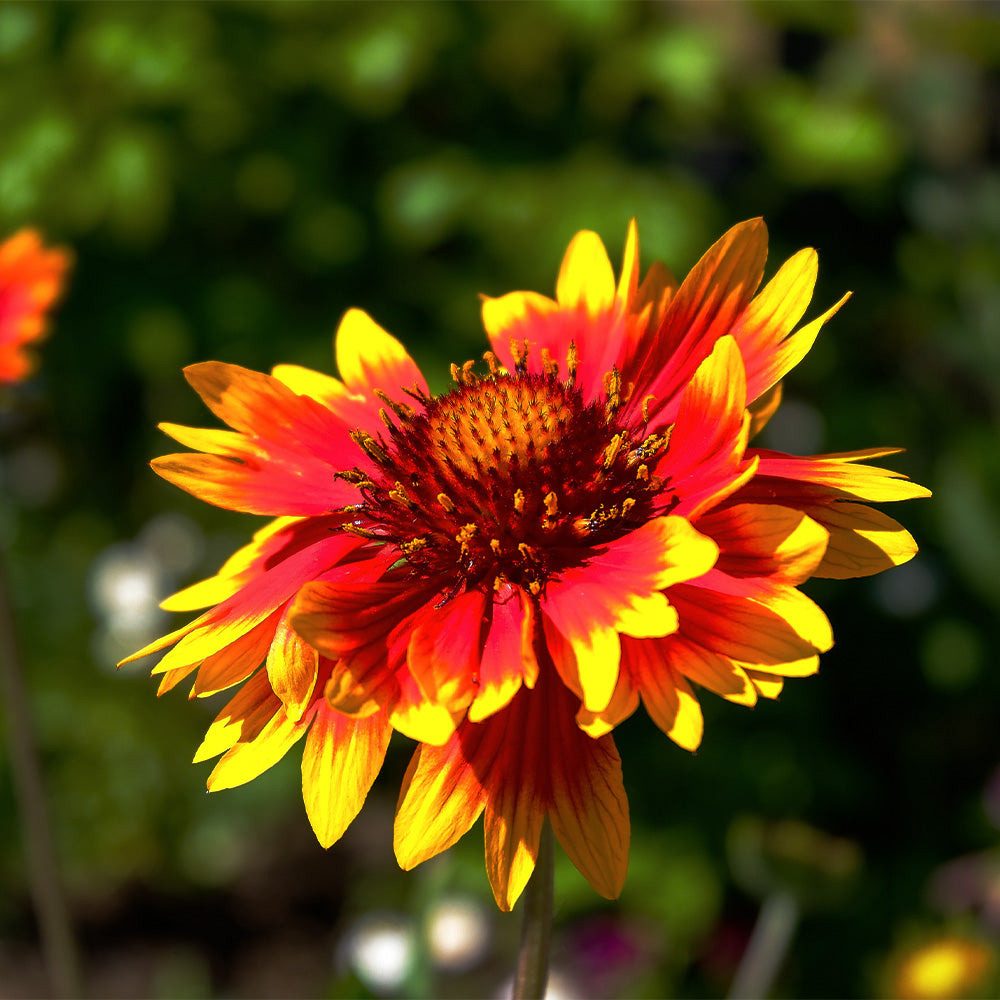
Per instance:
x=504, y=571
x=31, y=278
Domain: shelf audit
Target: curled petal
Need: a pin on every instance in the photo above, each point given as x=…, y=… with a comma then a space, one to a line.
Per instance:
x=292, y=667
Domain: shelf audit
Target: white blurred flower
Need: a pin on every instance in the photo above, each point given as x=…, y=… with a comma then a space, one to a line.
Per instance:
x=458, y=933
x=381, y=949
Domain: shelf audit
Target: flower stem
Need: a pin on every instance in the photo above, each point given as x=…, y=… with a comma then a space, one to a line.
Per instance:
x=52, y=912
x=536, y=935
x=766, y=950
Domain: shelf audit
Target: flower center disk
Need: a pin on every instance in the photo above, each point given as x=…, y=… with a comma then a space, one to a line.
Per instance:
x=507, y=478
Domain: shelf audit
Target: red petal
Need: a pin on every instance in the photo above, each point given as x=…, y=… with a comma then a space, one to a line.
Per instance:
x=704, y=462
x=704, y=308
x=619, y=590
x=524, y=761
x=502, y=667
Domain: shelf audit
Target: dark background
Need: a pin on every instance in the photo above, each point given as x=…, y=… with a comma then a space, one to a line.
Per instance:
x=232, y=178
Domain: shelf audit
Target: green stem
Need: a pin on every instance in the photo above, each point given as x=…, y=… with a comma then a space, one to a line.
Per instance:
x=766, y=950
x=536, y=934
x=54, y=923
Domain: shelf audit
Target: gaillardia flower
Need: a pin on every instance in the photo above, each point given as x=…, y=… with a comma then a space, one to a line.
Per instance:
x=504, y=571
x=31, y=278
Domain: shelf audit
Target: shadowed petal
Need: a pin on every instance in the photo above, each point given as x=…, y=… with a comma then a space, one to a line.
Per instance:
x=834, y=477
x=766, y=540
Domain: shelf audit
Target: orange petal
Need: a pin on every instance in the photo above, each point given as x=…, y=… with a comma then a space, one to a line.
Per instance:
x=235, y=662
x=504, y=317
x=624, y=702
x=546, y=762
x=628, y=282
x=679, y=655
x=775, y=310
x=512, y=827
x=31, y=277
x=654, y=294
x=444, y=650
x=268, y=542
x=212, y=442
x=596, y=652
x=365, y=629
x=353, y=614
x=370, y=358
x=767, y=685
x=323, y=388
x=257, y=486
x=589, y=811
x=766, y=540
x=171, y=678
x=341, y=759
x=253, y=603
x=757, y=622
x=786, y=355
x=763, y=408
x=668, y=697
x=707, y=444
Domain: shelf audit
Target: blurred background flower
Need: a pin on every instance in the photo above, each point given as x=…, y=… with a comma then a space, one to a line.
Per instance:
x=234, y=176
x=31, y=278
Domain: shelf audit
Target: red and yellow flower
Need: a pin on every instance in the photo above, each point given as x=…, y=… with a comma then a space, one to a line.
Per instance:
x=504, y=571
x=31, y=278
